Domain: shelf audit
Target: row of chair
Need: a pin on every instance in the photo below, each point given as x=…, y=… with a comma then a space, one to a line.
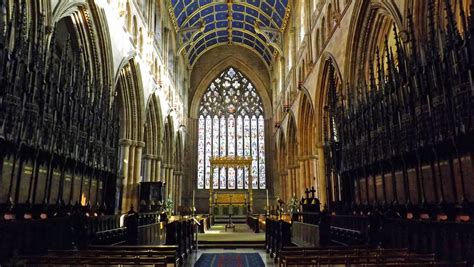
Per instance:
x=357, y=256
x=161, y=256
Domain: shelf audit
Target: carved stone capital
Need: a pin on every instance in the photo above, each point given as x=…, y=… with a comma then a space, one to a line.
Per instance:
x=138, y=143
x=294, y=166
x=149, y=156
x=125, y=142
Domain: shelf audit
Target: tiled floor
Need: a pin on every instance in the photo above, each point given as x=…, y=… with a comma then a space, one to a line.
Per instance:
x=192, y=258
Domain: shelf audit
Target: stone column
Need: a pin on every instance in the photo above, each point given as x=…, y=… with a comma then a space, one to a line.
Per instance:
x=295, y=186
x=322, y=176
x=180, y=188
x=289, y=186
x=137, y=173
x=302, y=177
x=167, y=179
x=158, y=169
x=177, y=187
x=289, y=177
x=148, y=168
x=125, y=144
x=153, y=169
x=131, y=172
x=312, y=170
x=295, y=181
x=309, y=176
x=171, y=183
x=282, y=186
x=285, y=186
x=164, y=179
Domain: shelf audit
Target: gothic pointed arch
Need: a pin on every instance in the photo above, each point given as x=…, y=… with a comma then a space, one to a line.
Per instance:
x=323, y=87
x=153, y=136
x=231, y=123
x=330, y=84
x=130, y=94
x=293, y=156
x=84, y=24
x=178, y=170
x=168, y=141
x=371, y=24
x=422, y=10
x=307, y=138
x=306, y=125
x=246, y=70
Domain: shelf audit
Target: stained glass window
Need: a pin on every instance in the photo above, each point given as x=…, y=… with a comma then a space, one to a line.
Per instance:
x=231, y=122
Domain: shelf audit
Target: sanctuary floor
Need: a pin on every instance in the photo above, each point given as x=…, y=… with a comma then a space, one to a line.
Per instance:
x=242, y=233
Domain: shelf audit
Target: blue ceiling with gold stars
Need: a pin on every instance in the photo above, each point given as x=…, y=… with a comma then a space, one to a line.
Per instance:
x=204, y=24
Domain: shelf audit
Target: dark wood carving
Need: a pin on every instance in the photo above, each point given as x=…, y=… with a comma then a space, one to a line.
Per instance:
x=58, y=123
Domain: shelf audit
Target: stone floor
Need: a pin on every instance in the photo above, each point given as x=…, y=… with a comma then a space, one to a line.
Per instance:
x=218, y=234
x=192, y=258
x=242, y=232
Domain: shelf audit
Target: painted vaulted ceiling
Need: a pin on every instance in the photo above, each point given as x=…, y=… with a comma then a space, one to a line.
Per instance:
x=204, y=24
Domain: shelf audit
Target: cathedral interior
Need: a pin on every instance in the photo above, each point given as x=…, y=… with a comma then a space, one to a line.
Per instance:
x=237, y=132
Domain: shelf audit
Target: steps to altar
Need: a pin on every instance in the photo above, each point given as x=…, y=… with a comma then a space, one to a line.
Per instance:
x=242, y=237
x=236, y=219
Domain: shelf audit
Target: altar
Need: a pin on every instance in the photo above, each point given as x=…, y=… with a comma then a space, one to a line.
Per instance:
x=234, y=203
x=230, y=202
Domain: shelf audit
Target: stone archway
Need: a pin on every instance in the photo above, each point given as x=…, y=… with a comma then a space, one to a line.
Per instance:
x=328, y=66
x=200, y=81
x=130, y=101
x=307, y=147
x=178, y=171
x=216, y=70
x=168, y=157
x=294, y=179
x=371, y=23
x=153, y=140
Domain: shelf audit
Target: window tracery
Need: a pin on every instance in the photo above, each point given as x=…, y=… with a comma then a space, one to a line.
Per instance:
x=231, y=123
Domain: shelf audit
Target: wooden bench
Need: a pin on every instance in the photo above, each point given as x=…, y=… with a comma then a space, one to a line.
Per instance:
x=351, y=260
x=50, y=260
x=310, y=251
x=169, y=255
x=293, y=256
x=346, y=237
x=372, y=262
x=419, y=264
x=171, y=251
